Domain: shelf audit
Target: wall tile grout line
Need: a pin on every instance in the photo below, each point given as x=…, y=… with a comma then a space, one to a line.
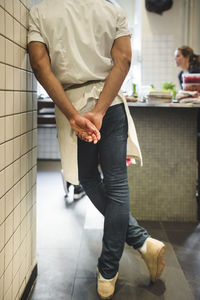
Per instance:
x=7, y=38
x=16, y=67
x=18, y=146
x=14, y=16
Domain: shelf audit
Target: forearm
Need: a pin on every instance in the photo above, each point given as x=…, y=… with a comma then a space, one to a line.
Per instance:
x=55, y=91
x=121, y=56
x=111, y=87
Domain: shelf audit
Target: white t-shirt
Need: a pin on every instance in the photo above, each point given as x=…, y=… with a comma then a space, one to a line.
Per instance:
x=79, y=35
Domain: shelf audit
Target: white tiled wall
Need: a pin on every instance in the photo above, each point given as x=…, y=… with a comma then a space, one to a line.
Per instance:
x=47, y=145
x=157, y=59
x=18, y=152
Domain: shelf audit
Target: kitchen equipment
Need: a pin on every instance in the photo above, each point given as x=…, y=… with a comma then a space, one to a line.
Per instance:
x=191, y=82
x=156, y=97
x=189, y=78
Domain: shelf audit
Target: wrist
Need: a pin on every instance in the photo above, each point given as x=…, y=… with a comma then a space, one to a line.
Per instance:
x=99, y=111
x=72, y=115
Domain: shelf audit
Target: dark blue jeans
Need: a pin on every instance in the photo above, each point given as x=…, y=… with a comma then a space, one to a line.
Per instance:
x=110, y=195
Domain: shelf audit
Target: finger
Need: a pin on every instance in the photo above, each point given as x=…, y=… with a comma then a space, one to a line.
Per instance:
x=96, y=136
x=91, y=127
x=87, y=138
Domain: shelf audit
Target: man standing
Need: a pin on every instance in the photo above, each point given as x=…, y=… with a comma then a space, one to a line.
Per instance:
x=80, y=52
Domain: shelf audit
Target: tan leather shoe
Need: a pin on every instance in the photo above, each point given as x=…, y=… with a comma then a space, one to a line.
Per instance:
x=154, y=258
x=106, y=288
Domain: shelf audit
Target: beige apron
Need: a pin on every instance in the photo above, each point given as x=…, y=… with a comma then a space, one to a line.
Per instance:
x=84, y=99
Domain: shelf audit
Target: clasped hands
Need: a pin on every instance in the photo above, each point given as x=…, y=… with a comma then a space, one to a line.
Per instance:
x=87, y=127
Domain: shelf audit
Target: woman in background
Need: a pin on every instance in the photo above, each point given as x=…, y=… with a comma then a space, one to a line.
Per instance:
x=187, y=60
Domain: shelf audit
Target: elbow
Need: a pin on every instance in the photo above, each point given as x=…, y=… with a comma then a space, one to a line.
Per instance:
x=40, y=69
x=126, y=59
x=36, y=67
x=124, y=62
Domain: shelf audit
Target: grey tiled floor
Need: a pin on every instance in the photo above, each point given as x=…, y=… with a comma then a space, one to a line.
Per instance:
x=69, y=243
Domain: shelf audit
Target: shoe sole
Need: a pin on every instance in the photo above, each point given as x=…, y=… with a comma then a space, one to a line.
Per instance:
x=79, y=196
x=105, y=298
x=160, y=263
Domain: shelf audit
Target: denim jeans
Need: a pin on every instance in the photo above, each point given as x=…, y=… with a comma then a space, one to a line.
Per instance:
x=110, y=195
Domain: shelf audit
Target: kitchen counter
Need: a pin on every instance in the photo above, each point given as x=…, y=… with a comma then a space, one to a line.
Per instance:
x=165, y=187
x=166, y=105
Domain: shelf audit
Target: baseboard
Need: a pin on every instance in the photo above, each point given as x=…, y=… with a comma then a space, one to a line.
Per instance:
x=30, y=284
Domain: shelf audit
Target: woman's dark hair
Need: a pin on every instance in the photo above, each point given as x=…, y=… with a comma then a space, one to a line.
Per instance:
x=194, y=59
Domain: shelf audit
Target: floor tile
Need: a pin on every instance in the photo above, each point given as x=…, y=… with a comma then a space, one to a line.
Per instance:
x=85, y=288
x=90, y=250
x=184, y=239
x=56, y=274
x=69, y=241
x=195, y=288
x=181, y=226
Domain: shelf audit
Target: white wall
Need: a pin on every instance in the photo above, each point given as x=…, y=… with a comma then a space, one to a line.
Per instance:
x=170, y=22
x=128, y=6
x=194, y=25
x=157, y=36
x=18, y=152
x=161, y=34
